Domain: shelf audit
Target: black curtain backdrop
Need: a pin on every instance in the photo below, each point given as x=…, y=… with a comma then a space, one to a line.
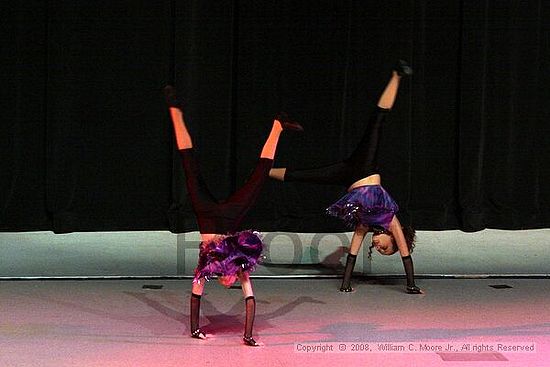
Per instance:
x=86, y=142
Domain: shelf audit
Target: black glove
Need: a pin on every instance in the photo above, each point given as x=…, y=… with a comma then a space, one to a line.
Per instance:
x=409, y=272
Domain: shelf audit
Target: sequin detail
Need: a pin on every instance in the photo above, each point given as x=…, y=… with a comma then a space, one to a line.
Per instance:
x=369, y=205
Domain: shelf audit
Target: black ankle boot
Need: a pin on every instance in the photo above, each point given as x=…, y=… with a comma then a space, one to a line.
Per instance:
x=286, y=123
x=402, y=68
x=172, y=98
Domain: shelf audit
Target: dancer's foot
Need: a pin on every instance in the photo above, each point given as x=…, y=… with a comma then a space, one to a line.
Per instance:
x=286, y=123
x=172, y=98
x=198, y=334
x=248, y=340
x=402, y=68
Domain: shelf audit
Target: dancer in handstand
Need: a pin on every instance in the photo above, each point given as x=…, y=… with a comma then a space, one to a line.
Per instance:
x=225, y=251
x=367, y=206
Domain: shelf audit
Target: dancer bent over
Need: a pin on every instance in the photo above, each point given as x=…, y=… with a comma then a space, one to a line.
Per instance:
x=367, y=206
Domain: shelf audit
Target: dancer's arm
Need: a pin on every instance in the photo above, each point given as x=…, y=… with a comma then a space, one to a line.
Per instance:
x=397, y=232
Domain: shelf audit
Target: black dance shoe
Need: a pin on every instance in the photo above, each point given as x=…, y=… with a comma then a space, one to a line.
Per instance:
x=172, y=98
x=402, y=68
x=286, y=123
x=248, y=340
x=198, y=334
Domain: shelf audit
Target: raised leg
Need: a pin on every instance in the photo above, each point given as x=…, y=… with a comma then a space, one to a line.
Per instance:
x=247, y=194
x=183, y=138
x=364, y=158
x=388, y=96
x=333, y=174
x=270, y=146
x=198, y=191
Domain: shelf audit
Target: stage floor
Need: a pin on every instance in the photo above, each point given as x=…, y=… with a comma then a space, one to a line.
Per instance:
x=300, y=322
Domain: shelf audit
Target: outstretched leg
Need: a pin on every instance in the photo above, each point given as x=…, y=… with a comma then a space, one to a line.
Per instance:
x=365, y=156
x=280, y=122
x=333, y=174
x=388, y=96
x=183, y=138
x=247, y=194
x=200, y=195
x=270, y=146
x=363, y=161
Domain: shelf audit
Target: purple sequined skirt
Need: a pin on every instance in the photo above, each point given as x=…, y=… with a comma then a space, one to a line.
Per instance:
x=369, y=205
x=229, y=255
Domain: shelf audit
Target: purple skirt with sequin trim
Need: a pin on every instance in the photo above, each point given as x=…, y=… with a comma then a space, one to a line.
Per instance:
x=369, y=205
x=229, y=255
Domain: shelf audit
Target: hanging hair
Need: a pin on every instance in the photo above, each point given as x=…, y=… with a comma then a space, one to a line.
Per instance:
x=369, y=254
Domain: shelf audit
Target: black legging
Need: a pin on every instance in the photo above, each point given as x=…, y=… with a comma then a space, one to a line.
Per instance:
x=361, y=163
x=220, y=217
